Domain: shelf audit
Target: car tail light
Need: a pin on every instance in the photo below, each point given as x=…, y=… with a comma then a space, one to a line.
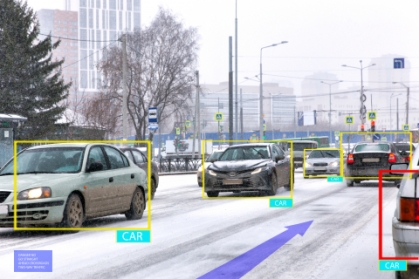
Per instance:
x=350, y=159
x=409, y=210
x=407, y=159
x=392, y=158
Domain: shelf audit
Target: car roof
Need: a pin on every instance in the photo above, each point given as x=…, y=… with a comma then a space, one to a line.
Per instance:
x=55, y=145
x=304, y=141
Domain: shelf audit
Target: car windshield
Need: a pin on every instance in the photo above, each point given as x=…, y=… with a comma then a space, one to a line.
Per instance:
x=372, y=147
x=404, y=147
x=214, y=156
x=245, y=153
x=300, y=146
x=324, y=154
x=47, y=160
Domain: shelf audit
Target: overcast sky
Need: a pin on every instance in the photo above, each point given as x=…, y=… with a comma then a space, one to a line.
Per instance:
x=322, y=35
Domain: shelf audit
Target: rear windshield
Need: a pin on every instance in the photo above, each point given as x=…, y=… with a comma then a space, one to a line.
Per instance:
x=372, y=147
x=404, y=147
x=300, y=146
x=324, y=154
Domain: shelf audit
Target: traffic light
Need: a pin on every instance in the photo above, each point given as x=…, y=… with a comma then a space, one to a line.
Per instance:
x=372, y=126
x=362, y=128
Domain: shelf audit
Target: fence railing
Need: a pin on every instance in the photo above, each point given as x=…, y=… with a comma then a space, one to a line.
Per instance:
x=178, y=164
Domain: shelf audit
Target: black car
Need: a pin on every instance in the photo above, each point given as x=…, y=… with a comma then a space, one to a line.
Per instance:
x=404, y=150
x=140, y=160
x=259, y=167
x=367, y=158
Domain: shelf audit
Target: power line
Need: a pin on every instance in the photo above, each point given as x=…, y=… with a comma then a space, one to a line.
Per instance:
x=79, y=40
x=85, y=57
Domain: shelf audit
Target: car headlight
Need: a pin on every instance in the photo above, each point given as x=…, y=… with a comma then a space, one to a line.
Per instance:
x=35, y=193
x=200, y=169
x=308, y=165
x=288, y=156
x=258, y=170
x=334, y=164
x=211, y=172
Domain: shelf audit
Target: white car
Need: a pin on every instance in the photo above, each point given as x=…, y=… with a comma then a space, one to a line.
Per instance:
x=214, y=156
x=405, y=223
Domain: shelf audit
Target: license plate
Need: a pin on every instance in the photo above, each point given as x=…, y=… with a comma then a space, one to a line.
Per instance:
x=4, y=210
x=371, y=160
x=232, y=181
x=298, y=162
x=320, y=169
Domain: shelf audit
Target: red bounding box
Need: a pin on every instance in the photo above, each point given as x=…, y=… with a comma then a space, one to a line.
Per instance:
x=380, y=215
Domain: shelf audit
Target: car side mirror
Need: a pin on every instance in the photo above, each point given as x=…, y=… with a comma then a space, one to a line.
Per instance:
x=398, y=166
x=95, y=166
x=213, y=160
x=279, y=157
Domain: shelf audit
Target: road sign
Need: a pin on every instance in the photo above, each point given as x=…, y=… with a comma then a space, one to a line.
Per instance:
x=152, y=115
x=349, y=120
x=218, y=116
x=405, y=127
x=372, y=115
x=337, y=133
x=177, y=131
x=153, y=126
x=376, y=137
x=398, y=63
x=383, y=138
x=187, y=123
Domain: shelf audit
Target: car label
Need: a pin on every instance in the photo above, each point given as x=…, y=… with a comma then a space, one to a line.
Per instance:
x=232, y=181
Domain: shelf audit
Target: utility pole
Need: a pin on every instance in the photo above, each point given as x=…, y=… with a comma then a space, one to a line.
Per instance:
x=199, y=111
x=230, y=91
x=241, y=114
x=295, y=132
x=236, y=76
x=124, y=87
x=407, y=105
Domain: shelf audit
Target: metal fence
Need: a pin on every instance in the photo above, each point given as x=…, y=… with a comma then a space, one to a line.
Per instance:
x=178, y=164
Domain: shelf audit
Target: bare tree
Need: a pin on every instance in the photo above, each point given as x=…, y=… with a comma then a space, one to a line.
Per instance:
x=161, y=61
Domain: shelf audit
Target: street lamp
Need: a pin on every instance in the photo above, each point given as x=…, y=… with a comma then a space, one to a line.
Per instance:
x=407, y=100
x=261, y=91
x=391, y=96
x=330, y=106
x=272, y=112
x=362, y=112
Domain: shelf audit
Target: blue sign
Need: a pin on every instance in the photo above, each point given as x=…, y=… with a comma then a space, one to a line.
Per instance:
x=33, y=260
x=398, y=63
x=376, y=137
x=153, y=126
x=152, y=115
x=300, y=118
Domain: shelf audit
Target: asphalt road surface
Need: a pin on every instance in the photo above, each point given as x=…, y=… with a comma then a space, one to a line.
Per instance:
x=191, y=236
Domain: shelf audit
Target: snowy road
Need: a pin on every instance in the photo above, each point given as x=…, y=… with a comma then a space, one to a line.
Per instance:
x=192, y=236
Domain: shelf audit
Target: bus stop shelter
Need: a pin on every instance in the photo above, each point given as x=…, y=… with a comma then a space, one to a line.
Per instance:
x=8, y=122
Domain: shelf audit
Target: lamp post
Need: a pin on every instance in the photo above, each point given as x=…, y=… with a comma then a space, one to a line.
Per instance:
x=407, y=100
x=362, y=111
x=272, y=112
x=261, y=91
x=330, y=106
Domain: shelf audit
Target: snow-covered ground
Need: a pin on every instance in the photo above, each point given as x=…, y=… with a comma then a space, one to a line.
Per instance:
x=192, y=236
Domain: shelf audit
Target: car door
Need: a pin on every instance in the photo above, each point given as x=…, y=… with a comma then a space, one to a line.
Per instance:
x=122, y=182
x=139, y=159
x=97, y=200
x=282, y=166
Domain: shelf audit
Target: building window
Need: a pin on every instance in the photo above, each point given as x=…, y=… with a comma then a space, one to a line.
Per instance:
x=98, y=39
x=112, y=20
x=104, y=19
x=98, y=4
x=137, y=5
x=83, y=79
x=92, y=38
x=83, y=18
x=104, y=4
x=97, y=19
x=128, y=20
x=92, y=79
x=129, y=5
x=83, y=3
x=120, y=20
x=137, y=20
x=90, y=18
x=112, y=4
x=83, y=37
x=121, y=4
x=83, y=59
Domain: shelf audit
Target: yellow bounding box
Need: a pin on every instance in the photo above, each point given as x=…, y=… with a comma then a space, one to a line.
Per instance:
x=322, y=170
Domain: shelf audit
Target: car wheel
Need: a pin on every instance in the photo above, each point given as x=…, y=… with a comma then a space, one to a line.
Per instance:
x=349, y=182
x=199, y=184
x=274, y=185
x=397, y=182
x=288, y=186
x=153, y=188
x=397, y=275
x=137, y=205
x=212, y=194
x=73, y=212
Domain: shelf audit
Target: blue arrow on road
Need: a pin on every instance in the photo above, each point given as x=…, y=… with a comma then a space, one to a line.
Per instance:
x=239, y=266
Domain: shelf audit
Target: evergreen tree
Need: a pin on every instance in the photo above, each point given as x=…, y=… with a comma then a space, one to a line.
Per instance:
x=31, y=84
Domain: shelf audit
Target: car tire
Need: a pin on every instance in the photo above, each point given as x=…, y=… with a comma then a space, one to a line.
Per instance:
x=153, y=188
x=349, y=182
x=212, y=194
x=137, y=207
x=73, y=216
x=200, y=184
x=397, y=275
x=274, y=185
